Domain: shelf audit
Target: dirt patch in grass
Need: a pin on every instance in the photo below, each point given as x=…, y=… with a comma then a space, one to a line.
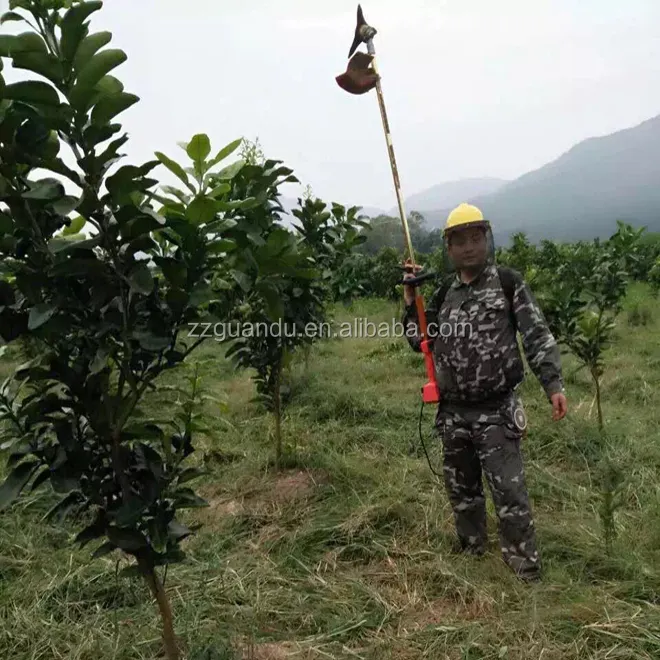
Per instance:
x=219, y=510
x=280, y=489
x=292, y=486
x=225, y=507
x=260, y=496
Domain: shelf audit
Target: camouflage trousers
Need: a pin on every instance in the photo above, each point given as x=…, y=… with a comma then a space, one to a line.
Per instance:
x=479, y=440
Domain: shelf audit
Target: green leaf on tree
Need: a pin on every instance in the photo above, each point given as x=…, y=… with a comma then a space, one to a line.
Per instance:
x=175, y=168
x=57, y=165
x=107, y=86
x=15, y=482
x=10, y=16
x=222, y=245
x=157, y=535
x=40, y=479
x=32, y=91
x=92, y=72
x=177, y=532
x=185, y=498
x=75, y=242
x=201, y=210
x=27, y=42
x=100, y=360
x=226, y=151
x=198, y=149
x=64, y=506
x=40, y=314
x=239, y=204
x=65, y=205
x=127, y=539
x=45, y=189
x=141, y=280
x=90, y=45
x=143, y=224
x=220, y=190
x=75, y=227
x=230, y=171
x=130, y=512
x=73, y=27
x=110, y=106
x=44, y=64
x=189, y=474
x=242, y=279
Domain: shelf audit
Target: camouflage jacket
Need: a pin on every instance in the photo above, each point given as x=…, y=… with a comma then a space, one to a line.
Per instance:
x=475, y=347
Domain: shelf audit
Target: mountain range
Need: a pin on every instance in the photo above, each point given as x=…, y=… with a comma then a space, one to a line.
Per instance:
x=449, y=194
x=580, y=195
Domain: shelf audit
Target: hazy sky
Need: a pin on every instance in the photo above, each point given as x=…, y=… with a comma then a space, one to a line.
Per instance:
x=472, y=87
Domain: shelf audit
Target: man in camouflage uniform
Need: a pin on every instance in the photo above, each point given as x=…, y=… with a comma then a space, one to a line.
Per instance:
x=478, y=367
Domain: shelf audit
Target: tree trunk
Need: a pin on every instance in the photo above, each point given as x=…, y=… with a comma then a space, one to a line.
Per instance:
x=158, y=592
x=598, y=406
x=278, y=416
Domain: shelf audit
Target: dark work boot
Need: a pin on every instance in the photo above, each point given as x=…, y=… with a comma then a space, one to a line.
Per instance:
x=529, y=576
x=524, y=570
x=463, y=547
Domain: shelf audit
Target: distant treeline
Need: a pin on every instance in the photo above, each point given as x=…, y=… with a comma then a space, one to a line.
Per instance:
x=374, y=268
x=386, y=231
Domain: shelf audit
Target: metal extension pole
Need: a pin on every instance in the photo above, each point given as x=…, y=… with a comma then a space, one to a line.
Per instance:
x=390, y=150
x=365, y=33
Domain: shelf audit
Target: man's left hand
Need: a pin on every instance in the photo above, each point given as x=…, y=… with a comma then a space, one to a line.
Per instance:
x=559, y=406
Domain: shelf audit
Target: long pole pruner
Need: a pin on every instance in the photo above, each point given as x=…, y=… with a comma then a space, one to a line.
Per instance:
x=361, y=76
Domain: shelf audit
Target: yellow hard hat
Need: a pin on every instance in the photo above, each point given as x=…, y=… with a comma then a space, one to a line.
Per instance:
x=464, y=214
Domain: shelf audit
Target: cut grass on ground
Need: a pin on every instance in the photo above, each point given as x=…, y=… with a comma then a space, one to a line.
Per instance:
x=346, y=552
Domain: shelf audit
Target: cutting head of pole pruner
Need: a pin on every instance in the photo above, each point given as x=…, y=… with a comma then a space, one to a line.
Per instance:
x=359, y=76
x=363, y=32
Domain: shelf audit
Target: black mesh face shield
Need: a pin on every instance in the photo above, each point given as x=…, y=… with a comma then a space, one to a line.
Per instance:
x=470, y=247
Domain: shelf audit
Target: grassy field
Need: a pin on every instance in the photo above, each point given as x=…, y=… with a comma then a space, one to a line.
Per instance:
x=346, y=552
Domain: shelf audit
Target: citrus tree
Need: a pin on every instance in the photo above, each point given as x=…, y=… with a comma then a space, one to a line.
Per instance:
x=654, y=277
x=581, y=295
x=108, y=274
x=522, y=255
x=281, y=302
x=333, y=234
x=605, y=290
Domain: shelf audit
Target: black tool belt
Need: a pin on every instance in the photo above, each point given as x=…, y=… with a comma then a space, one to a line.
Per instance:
x=490, y=401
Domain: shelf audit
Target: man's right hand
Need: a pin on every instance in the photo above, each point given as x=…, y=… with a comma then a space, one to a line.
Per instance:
x=559, y=406
x=409, y=291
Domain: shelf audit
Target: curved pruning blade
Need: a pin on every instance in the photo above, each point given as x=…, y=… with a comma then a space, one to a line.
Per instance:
x=363, y=31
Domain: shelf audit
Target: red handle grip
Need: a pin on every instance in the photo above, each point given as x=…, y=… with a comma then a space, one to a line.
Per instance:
x=430, y=391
